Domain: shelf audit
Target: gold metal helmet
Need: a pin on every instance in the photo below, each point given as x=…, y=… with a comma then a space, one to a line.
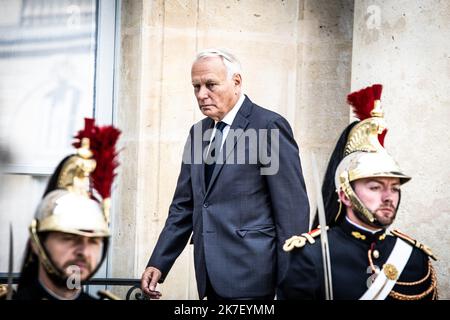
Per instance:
x=78, y=195
x=364, y=154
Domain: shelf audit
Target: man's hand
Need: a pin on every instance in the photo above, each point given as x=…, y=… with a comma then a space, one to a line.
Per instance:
x=149, y=280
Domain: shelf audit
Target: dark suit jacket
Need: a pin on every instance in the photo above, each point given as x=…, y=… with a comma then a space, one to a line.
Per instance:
x=240, y=222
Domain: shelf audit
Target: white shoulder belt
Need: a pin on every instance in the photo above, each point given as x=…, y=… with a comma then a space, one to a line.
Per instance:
x=386, y=278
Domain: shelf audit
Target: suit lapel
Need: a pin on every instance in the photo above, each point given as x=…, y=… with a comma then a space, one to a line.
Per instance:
x=208, y=124
x=240, y=122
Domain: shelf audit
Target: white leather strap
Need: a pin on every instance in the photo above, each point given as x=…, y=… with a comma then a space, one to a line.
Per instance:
x=382, y=285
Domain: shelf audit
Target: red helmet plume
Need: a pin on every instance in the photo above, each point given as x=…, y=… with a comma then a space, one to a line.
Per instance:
x=102, y=140
x=363, y=102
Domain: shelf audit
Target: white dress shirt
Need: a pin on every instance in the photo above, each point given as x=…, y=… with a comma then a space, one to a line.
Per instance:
x=228, y=120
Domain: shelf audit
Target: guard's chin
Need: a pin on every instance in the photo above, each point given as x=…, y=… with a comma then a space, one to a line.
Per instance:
x=386, y=219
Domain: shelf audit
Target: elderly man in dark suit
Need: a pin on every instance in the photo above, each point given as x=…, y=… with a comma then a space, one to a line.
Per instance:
x=240, y=191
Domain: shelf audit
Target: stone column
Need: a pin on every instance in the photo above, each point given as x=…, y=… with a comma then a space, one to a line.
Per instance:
x=323, y=69
x=296, y=61
x=155, y=111
x=404, y=46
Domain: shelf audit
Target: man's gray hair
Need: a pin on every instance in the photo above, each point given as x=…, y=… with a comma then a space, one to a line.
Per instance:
x=229, y=60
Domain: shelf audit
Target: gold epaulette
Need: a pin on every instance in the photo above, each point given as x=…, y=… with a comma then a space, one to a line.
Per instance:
x=107, y=295
x=414, y=243
x=302, y=240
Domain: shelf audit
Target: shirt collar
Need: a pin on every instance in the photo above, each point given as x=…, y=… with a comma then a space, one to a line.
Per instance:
x=229, y=117
x=362, y=228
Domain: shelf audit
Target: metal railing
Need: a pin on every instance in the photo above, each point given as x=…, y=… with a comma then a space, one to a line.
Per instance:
x=133, y=293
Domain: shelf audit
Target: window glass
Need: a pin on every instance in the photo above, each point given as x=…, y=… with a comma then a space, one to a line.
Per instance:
x=47, y=77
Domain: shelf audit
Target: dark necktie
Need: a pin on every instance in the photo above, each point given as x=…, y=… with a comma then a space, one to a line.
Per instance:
x=214, y=151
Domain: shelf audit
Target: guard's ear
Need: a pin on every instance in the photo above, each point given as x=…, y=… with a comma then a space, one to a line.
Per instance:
x=344, y=199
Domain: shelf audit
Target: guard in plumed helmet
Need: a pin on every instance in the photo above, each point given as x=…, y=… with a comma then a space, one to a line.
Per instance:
x=361, y=194
x=69, y=234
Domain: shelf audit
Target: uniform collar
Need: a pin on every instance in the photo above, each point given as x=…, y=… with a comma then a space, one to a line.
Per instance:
x=362, y=234
x=50, y=295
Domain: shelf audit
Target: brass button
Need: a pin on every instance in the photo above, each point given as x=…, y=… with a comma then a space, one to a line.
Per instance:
x=376, y=254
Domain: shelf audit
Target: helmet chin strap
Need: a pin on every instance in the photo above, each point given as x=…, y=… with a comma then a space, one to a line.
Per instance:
x=363, y=213
x=58, y=276
x=44, y=259
x=61, y=281
x=375, y=223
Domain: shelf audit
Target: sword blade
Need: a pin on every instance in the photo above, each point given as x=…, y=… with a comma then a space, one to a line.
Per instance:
x=323, y=233
x=10, y=264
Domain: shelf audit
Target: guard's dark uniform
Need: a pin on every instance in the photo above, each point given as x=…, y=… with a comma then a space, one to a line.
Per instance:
x=364, y=265
x=36, y=291
x=351, y=268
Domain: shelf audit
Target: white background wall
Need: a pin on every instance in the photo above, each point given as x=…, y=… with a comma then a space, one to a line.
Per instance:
x=405, y=46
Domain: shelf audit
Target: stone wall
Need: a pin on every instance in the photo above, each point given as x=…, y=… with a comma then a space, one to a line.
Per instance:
x=296, y=58
x=299, y=59
x=404, y=45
